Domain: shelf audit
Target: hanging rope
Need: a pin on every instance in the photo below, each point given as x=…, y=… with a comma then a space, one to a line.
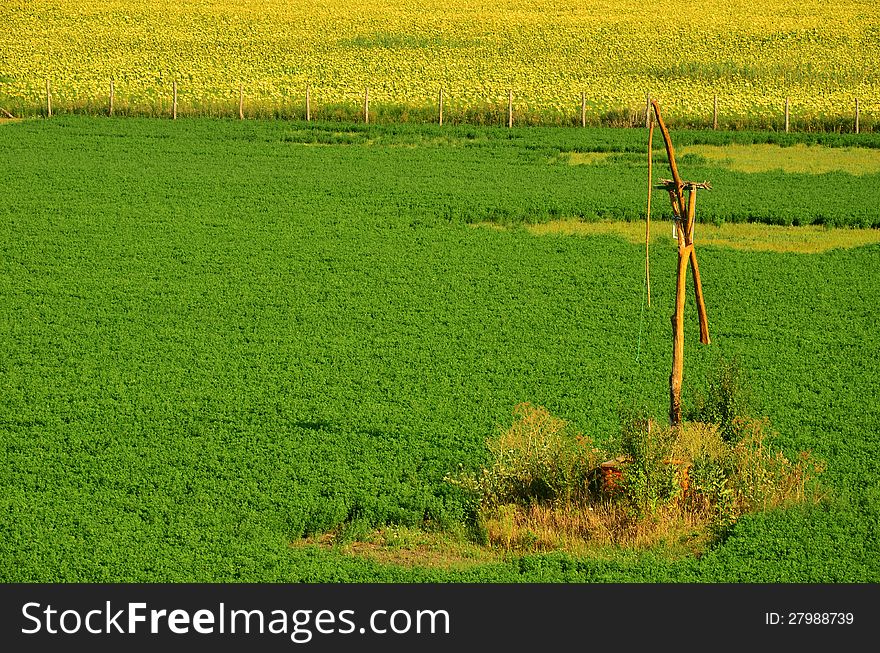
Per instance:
x=641, y=321
x=646, y=286
x=648, y=212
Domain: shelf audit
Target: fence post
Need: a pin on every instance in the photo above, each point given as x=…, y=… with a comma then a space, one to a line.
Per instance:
x=240, y=101
x=174, y=101
x=441, y=106
x=509, y=108
x=111, y=97
x=715, y=113
x=367, y=105
x=583, y=109
x=308, y=103
x=857, y=115
x=786, y=115
x=48, y=100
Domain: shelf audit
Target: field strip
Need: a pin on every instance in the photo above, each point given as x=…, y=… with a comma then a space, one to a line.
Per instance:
x=799, y=158
x=812, y=239
x=763, y=157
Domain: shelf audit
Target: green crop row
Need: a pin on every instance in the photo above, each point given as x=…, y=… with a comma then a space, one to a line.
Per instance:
x=217, y=337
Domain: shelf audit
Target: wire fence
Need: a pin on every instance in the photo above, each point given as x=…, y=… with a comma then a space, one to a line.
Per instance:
x=174, y=102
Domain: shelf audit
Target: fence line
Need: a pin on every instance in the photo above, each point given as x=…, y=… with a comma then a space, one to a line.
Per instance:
x=857, y=116
x=715, y=112
x=367, y=105
x=583, y=109
x=624, y=115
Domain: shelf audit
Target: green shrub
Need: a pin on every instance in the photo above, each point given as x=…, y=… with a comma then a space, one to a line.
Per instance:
x=726, y=401
x=650, y=475
x=539, y=459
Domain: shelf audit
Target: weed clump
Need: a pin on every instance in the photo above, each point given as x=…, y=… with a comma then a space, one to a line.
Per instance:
x=539, y=459
x=549, y=486
x=726, y=401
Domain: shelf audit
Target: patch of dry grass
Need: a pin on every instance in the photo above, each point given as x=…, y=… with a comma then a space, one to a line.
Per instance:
x=596, y=529
x=409, y=547
x=812, y=239
x=585, y=158
x=512, y=530
x=799, y=158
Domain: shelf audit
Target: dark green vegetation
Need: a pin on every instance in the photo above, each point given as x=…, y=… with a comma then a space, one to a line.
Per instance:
x=217, y=337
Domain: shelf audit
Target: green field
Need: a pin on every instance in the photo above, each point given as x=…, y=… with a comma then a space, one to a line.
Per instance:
x=218, y=337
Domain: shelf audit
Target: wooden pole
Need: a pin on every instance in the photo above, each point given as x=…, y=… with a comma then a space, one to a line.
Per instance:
x=174, y=101
x=112, y=93
x=676, y=216
x=695, y=268
x=440, y=107
x=367, y=105
x=684, y=219
x=583, y=109
x=698, y=292
x=678, y=334
x=670, y=151
x=715, y=113
x=648, y=212
x=241, y=101
x=647, y=109
x=308, y=103
x=509, y=108
x=857, y=115
x=48, y=100
x=786, y=115
x=688, y=226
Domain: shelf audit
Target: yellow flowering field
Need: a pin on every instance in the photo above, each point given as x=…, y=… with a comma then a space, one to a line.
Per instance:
x=752, y=54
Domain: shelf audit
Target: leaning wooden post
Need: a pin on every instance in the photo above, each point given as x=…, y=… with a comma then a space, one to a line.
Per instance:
x=48, y=100
x=241, y=101
x=509, y=108
x=695, y=268
x=786, y=115
x=174, y=101
x=440, y=106
x=308, y=103
x=670, y=151
x=857, y=115
x=686, y=232
x=698, y=292
x=583, y=109
x=111, y=97
x=367, y=105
